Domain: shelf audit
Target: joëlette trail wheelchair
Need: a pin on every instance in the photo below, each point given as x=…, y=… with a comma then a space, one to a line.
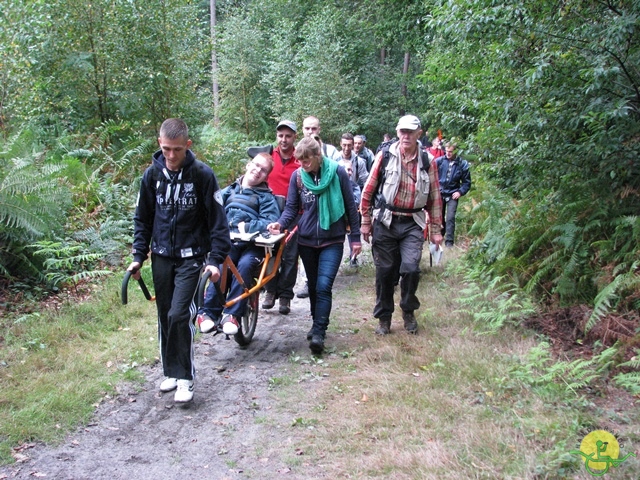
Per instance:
x=267, y=269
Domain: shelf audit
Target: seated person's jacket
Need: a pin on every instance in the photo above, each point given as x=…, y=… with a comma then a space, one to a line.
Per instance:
x=256, y=206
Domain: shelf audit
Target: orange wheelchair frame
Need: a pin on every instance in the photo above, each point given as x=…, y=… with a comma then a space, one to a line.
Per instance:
x=268, y=269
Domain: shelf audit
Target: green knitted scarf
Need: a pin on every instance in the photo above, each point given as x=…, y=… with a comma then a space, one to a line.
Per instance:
x=328, y=193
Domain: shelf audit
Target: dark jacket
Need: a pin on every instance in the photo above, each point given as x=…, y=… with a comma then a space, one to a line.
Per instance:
x=256, y=206
x=180, y=214
x=459, y=180
x=309, y=231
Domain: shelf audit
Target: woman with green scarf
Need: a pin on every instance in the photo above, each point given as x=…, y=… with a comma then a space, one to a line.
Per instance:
x=321, y=190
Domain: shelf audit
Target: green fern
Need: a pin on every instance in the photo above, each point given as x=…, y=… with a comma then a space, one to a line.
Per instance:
x=68, y=263
x=610, y=295
x=33, y=204
x=494, y=303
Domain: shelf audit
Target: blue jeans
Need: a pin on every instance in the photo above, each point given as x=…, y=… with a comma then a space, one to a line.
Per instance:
x=321, y=265
x=246, y=256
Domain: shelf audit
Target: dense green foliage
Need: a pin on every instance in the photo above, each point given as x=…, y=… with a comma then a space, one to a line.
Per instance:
x=548, y=96
x=543, y=97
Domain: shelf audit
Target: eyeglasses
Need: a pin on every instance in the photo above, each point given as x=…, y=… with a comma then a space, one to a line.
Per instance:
x=262, y=169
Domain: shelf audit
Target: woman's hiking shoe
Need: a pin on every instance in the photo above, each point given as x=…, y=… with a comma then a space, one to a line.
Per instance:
x=205, y=323
x=184, y=393
x=230, y=325
x=317, y=343
x=168, y=384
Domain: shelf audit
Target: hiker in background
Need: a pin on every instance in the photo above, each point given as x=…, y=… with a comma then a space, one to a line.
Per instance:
x=359, y=173
x=284, y=164
x=435, y=150
x=360, y=149
x=311, y=127
x=455, y=181
x=348, y=166
x=250, y=206
x=386, y=140
x=321, y=189
x=180, y=219
x=400, y=191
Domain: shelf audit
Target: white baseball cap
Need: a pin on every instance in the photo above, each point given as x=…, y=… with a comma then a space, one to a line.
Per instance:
x=408, y=122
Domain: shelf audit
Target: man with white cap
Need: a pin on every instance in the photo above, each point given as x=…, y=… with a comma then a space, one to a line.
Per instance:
x=401, y=189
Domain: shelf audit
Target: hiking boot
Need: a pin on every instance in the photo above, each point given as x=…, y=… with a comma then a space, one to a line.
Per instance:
x=353, y=262
x=304, y=291
x=384, y=326
x=310, y=334
x=317, y=343
x=205, y=323
x=184, y=393
x=410, y=323
x=230, y=325
x=269, y=300
x=285, y=306
x=168, y=384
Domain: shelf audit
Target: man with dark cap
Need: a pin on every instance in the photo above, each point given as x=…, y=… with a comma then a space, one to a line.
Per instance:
x=285, y=163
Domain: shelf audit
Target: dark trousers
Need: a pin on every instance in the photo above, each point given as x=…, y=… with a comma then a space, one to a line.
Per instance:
x=321, y=265
x=282, y=284
x=175, y=282
x=449, y=214
x=397, y=252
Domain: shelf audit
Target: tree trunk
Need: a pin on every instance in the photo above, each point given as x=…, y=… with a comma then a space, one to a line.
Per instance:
x=405, y=71
x=383, y=55
x=214, y=64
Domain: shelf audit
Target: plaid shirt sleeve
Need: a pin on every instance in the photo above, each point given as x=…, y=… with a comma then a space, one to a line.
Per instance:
x=369, y=190
x=434, y=202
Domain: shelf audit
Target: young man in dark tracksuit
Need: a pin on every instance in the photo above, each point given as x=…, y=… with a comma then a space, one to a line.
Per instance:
x=180, y=219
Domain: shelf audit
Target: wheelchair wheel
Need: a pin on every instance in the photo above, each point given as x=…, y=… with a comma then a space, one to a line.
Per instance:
x=249, y=321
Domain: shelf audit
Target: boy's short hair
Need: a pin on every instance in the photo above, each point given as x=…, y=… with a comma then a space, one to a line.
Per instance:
x=173, y=128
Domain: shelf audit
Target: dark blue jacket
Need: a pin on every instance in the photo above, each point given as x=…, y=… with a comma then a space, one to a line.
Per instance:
x=180, y=214
x=309, y=231
x=458, y=181
x=256, y=206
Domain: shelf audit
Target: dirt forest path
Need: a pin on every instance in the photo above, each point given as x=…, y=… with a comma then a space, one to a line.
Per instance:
x=141, y=434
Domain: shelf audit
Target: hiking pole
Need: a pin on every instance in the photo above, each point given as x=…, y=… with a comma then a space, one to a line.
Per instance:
x=125, y=284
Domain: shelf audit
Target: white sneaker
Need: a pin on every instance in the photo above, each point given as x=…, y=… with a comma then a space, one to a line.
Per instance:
x=205, y=323
x=168, y=384
x=230, y=325
x=184, y=393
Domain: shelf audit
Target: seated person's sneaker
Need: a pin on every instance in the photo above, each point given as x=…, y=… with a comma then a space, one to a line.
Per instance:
x=205, y=323
x=230, y=325
x=168, y=384
x=184, y=393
